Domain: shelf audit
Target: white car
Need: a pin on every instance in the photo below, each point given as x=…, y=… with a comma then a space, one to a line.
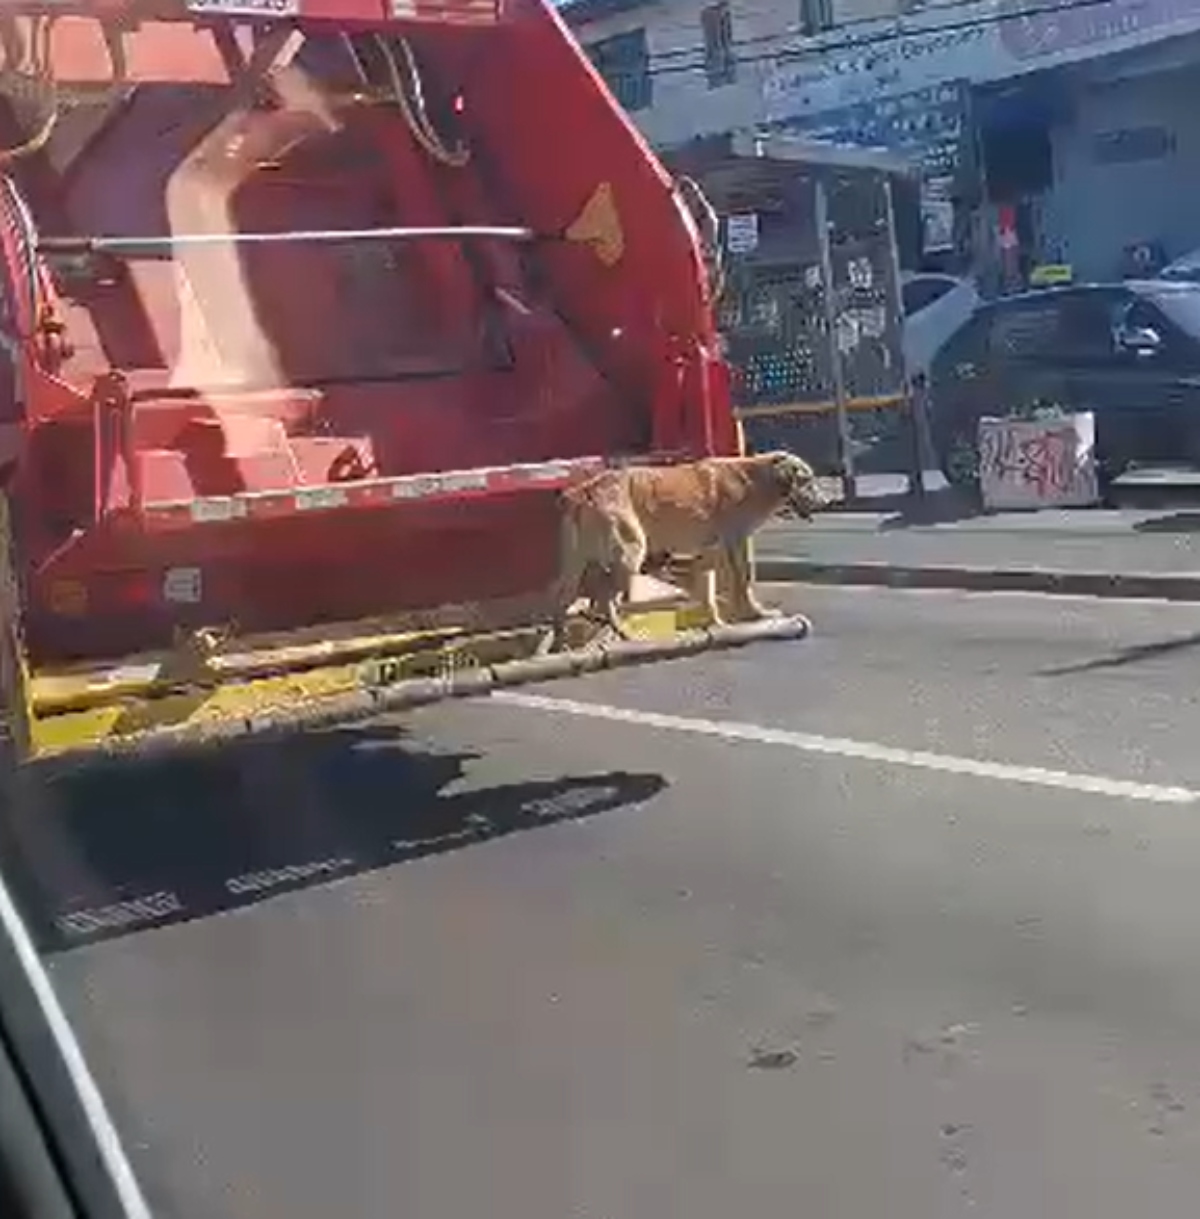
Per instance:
x=1186, y=268
x=935, y=306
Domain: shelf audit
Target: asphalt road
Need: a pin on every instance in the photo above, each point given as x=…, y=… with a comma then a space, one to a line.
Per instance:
x=1165, y=540
x=897, y=921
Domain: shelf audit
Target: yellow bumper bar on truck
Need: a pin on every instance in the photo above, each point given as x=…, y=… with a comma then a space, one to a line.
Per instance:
x=144, y=701
x=75, y=718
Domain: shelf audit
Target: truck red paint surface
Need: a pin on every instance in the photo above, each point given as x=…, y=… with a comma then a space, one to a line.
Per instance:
x=310, y=307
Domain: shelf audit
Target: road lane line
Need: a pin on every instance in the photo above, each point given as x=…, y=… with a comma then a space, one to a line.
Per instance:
x=862, y=751
x=1146, y=603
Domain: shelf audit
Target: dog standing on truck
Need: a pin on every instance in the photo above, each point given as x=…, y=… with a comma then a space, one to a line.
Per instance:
x=704, y=510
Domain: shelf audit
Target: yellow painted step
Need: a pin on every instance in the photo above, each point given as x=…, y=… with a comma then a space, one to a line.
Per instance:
x=82, y=708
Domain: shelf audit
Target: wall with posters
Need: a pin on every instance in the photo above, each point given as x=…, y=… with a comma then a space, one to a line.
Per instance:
x=930, y=126
x=1135, y=144
x=907, y=84
x=913, y=83
x=978, y=43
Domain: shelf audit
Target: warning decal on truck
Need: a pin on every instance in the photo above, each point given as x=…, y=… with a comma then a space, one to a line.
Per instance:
x=246, y=8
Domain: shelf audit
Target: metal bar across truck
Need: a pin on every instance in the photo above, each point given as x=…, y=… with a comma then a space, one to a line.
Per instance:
x=133, y=245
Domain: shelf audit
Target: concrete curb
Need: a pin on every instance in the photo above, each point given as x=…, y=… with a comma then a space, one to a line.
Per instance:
x=1144, y=585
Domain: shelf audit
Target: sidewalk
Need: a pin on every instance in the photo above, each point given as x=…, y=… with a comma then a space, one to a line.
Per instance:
x=1125, y=552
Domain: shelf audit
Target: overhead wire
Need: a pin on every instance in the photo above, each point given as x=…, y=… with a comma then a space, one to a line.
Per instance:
x=996, y=13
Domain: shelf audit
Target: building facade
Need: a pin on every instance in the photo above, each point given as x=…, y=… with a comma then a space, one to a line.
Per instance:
x=1053, y=130
x=688, y=68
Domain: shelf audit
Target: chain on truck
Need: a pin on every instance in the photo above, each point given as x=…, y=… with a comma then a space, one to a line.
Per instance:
x=309, y=311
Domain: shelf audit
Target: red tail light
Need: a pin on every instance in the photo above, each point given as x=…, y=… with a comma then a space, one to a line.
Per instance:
x=135, y=591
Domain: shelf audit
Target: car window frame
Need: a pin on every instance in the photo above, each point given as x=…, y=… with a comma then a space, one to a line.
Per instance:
x=968, y=342
x=1176, y=339
x=1109, y=302
x=948, y=282
x=31, y=1183
x=1157, y=316
x=70, y=1117
x=1024, y=307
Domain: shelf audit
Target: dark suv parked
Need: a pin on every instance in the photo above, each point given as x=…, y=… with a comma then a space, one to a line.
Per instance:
x=1129, y=352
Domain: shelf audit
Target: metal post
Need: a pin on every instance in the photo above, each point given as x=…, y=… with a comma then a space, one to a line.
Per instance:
x=845, y=451
x=16, y=714
x=916, y=406
x=133, y=246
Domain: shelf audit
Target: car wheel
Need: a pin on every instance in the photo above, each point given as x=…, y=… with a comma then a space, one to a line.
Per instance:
x=1107, y=473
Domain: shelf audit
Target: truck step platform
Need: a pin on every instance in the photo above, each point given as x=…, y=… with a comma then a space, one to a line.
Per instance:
x=248, y=688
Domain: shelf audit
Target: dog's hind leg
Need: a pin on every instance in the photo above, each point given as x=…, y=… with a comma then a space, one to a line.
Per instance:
x=629, y=554
x=572, y=568
x=619, y=593
x=602, y=589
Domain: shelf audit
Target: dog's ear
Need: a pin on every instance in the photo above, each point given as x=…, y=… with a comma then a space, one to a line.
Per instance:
x=788, y=470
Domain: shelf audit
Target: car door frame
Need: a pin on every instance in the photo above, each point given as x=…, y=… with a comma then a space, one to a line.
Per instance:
x=1009, y=375
x=57, y=1136
x=957, y=377
x=1136, y=400
x=1176, y=377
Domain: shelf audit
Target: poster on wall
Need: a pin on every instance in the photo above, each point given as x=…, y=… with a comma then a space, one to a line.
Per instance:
x=928, y=126
x=937, y=225
x=1038, y=463
x=741, y=233
x=974, y=40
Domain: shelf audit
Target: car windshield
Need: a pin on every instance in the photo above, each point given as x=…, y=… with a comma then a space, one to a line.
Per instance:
x=599, y=609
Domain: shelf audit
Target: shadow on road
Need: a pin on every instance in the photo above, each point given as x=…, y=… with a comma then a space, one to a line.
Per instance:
x=1174, y=522
x=126, y=848
x=1126, y=656
x=942, y=507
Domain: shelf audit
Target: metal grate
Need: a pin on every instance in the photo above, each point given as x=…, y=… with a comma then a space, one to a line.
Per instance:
x=795, y=329
x=867, y=323
x=774, y=325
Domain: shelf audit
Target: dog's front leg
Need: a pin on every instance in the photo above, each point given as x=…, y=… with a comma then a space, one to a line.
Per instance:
x=741, y=574
x=704, y=586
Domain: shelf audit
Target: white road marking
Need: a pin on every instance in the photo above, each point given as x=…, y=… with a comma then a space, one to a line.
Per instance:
x=271, y=878
x=777, y=586
x=863, y=751
x=127, y=913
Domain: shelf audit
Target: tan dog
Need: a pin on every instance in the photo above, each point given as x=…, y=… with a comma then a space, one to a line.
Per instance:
x=704, y=510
